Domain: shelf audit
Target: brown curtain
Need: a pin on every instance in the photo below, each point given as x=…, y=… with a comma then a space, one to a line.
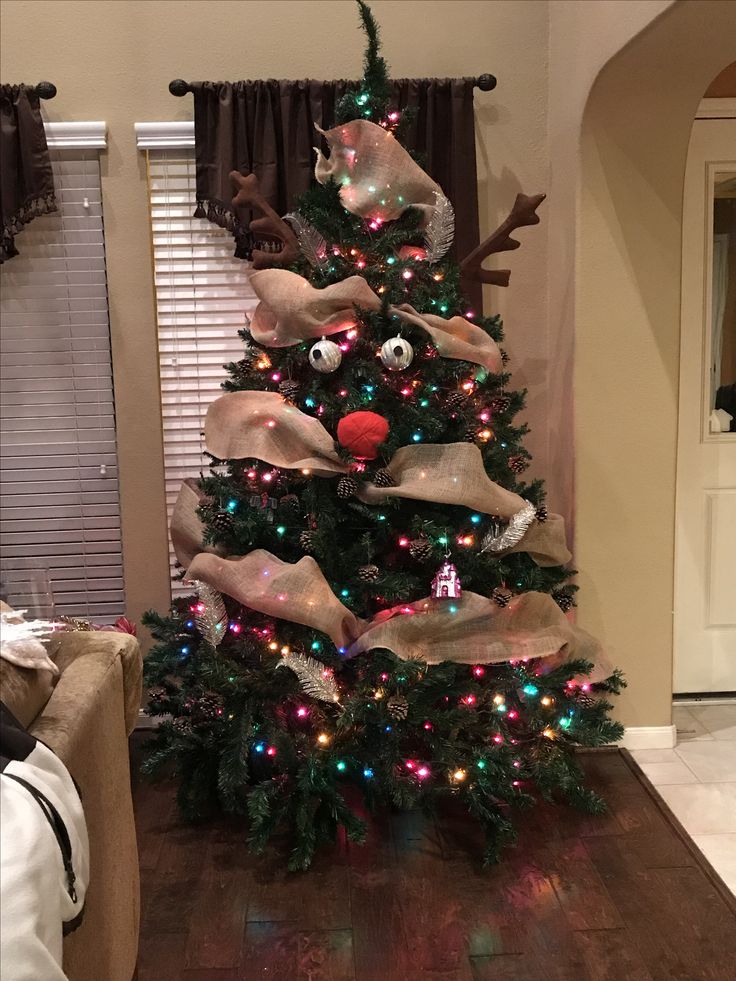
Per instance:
x=26, y=179
x=267, y=128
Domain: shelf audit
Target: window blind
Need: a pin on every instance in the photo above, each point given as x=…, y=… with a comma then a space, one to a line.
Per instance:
x=59, y=501
x=202, y=299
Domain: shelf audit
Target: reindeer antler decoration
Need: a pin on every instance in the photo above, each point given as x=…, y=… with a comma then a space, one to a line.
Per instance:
x=524, y=212
x=249, y=196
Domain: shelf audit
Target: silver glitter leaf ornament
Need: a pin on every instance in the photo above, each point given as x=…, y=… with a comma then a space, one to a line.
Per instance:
x=512, y=533
x=312, y=245
x=440, y=230
x=313, y=677
x=209, y=614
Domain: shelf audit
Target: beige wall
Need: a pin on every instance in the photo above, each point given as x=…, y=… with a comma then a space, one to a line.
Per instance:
x=606, y=271
x=113, y=60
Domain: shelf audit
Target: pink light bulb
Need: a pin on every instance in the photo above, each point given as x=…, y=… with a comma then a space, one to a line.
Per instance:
x=469, y=700
x=343, y=346
x=271, y=423
x=302, y=712
x=428, y=726
x=423, y=772
x=517, y=764
x=271, y=751
x=409, y=764
x=252, y=475
x=513, y=714
x=406, y=391
x=485, y=415
x=407, y=274
x=267, y=478
x=498, y=738
x=479, y=671
x=343, y=393
x=393, y=116
x=403, y=541
x=276, y=376
x=235, y=627
x=384, y=676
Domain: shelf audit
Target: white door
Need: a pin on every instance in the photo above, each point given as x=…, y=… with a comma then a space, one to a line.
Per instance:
x=705, y=540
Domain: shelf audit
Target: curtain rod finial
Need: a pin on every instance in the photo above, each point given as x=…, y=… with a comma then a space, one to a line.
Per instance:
x=46, y=90
x=179, y=87
x=486, y=83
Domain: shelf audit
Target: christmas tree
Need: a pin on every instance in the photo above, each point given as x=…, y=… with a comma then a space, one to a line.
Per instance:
x=381, y=601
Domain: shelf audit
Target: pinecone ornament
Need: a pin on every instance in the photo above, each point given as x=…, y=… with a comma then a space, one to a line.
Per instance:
x=397, y=707
x=182, y=726
x=347, y=487
x=222, y=521
x=455, y=399
x=306, y=541
x=470, y=434
x=208, y=706
x=501, y=596
x=156, y=693
x=517, y=464
x=542, y=513
x=564, y=601
x=289, y=501
x=368, y=573
x=420, y=549
x=383, y=478
x=501, y=403
x=289, y=389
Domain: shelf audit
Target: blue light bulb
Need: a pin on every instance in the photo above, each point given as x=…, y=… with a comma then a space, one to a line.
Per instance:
x=530, y=690
x=368, y=773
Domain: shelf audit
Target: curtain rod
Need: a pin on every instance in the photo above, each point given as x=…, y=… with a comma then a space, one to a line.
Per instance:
x=46, y=90
x=179, y=87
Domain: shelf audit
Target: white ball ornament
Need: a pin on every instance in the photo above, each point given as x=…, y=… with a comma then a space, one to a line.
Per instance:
x=397, y=354
x=325, y=356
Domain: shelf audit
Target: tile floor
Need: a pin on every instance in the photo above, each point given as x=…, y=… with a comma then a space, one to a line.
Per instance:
x=697, y=779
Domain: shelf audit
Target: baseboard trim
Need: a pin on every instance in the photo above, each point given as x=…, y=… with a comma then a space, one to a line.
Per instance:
x=649, y=737
x=146, y=721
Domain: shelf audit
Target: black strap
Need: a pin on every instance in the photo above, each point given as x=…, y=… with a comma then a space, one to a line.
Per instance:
x=57, y=826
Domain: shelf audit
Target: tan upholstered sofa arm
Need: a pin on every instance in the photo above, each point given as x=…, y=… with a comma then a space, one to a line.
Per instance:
x=103, y=647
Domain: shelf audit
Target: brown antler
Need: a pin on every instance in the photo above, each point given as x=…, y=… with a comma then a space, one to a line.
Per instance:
x=249, y=196
x=524, y=212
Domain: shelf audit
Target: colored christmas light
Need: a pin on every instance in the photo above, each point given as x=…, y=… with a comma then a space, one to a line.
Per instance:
x=341, y=765
x=323, y=739
x=530, y=690
x=302, y=712
x=479, y=670
x=259, y=747
x=367, y=772
x=546, y=700
x=459, y=775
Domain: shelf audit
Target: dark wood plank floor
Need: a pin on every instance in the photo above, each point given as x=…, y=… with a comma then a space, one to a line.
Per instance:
x=619, y=898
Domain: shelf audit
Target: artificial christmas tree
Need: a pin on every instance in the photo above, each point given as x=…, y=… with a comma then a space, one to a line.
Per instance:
x=370, y=425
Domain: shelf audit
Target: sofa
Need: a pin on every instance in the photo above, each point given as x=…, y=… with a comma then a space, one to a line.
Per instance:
x=86, y=719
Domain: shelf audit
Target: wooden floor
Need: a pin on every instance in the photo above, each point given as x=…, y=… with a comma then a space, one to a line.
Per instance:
x=618, y=898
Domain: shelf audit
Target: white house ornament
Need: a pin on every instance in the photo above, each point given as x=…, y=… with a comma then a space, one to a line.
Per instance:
x=397, y=354
x=325, y=356
x=446, y=583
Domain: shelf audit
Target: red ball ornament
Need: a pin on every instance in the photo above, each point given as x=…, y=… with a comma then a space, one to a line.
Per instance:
x=361, y=433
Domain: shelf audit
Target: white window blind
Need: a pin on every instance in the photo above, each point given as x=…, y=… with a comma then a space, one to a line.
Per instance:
x=202, y=298
x=59, y=506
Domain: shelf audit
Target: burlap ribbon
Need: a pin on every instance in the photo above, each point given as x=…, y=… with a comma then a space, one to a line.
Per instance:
x=261, y=425
x=378, y=177
x=296, y=592
x=292, y=310
x=469, y=630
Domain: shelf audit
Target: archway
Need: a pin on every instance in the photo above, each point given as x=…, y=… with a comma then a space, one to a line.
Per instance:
x=635, y=135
